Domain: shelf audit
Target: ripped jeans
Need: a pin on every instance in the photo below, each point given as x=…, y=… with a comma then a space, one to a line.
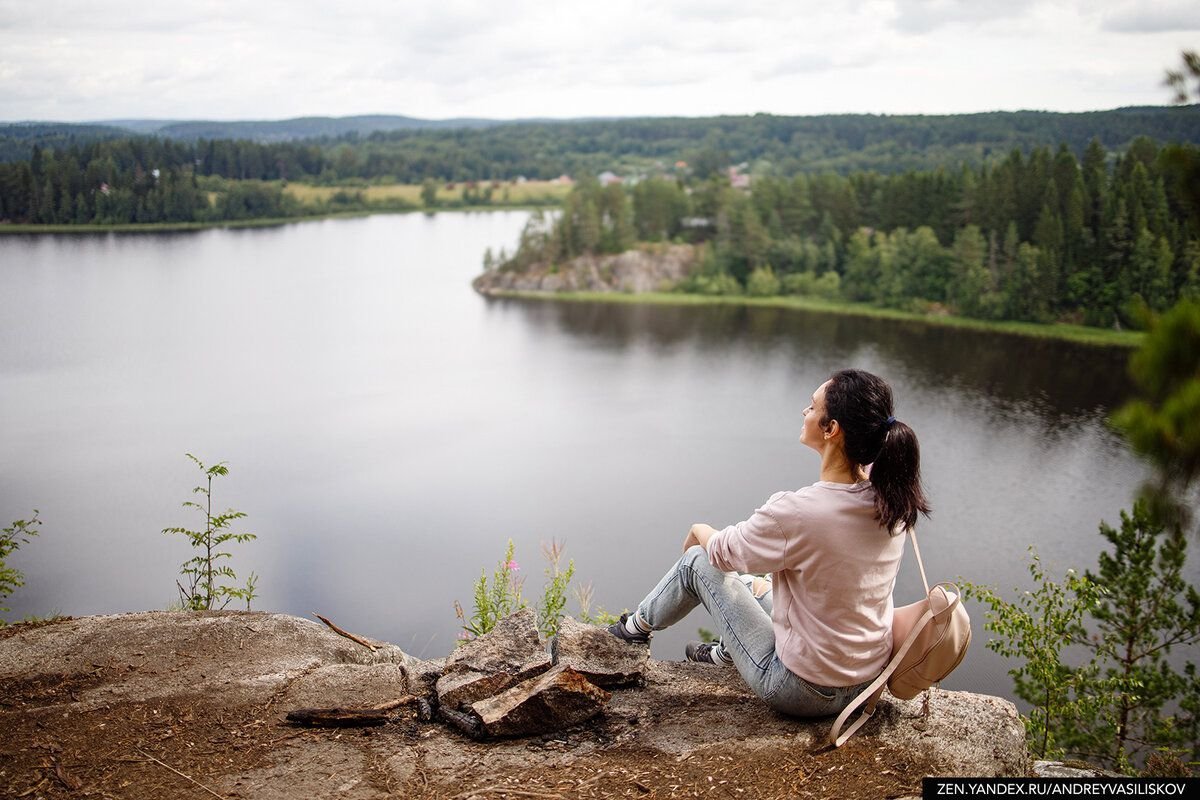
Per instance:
x=744, y=625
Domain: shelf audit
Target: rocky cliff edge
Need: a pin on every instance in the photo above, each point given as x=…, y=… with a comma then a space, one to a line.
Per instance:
x=185, y=705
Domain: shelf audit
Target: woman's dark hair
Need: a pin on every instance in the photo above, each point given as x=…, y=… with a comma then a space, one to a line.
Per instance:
x=862, y=405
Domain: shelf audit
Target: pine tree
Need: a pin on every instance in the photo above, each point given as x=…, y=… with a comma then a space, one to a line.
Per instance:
x=1116, y=279
x=82, y=214
x=1094, y=172
x=1150, y=261
x=1048, y=236
x=1163, y=424
x=1147, y=608
x=1074, y=232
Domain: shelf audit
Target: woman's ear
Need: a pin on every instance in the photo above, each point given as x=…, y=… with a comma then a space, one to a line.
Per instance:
x=833, y=429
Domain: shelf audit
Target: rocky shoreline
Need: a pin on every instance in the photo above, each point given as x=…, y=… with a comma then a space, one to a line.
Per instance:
x=651, y=268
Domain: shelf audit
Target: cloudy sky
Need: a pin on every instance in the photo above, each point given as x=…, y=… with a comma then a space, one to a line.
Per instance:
x=270, y=59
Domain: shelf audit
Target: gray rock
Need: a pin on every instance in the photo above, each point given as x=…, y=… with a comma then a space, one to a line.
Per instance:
x=464, y=688
x=346, y=685
x=967, y=735
x=598, y=655
x=559, y=699
x=205, y=693
x=512, y=646
x=423, y=676
x=231, y=654
x=649, y=268
x=1071, y=769
x=505, y=656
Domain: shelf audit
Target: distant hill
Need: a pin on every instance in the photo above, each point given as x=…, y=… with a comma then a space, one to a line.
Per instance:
x=409, y=150
x=139, y=125
x=288, y=130
x=17, y=139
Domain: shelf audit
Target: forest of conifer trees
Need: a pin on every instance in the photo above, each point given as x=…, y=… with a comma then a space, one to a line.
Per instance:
x=1039, y=237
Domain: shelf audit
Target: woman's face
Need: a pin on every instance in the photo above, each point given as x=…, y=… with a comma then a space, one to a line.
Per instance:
x=812, y=434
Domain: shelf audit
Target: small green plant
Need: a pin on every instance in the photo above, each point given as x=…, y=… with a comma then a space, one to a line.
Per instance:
x=502, y=596
x=11, y=538
x=202, y=571
x=554, y=598
x=583, y=596
x=493, y=602
x=1035, y=630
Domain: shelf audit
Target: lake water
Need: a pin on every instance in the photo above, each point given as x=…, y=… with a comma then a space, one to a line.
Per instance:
x=387, y=430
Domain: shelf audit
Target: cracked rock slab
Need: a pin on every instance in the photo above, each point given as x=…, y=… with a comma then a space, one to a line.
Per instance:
x=599, y=656
x=508, y=654
x=556, y=700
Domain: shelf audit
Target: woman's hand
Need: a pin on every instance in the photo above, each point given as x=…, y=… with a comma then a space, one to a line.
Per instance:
x=699, y=534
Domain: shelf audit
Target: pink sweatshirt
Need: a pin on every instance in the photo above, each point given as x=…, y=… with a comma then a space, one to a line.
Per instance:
x=833, y=571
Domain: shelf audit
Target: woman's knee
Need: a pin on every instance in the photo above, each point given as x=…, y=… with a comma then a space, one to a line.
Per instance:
x=695, y=560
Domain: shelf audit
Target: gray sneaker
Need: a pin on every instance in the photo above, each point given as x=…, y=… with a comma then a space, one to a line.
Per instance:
x=619, y=630
x=707, y=653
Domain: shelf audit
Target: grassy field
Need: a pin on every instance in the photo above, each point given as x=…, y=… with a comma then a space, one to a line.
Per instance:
x=1099, y=337
x=399, y=196
x=503, y=193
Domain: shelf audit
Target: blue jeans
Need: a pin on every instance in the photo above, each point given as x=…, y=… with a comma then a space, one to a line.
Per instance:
x=744, y=626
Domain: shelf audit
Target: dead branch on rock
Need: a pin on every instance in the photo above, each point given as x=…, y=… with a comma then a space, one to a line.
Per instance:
x=348, y=717
x=407, y=700
x=348, y=635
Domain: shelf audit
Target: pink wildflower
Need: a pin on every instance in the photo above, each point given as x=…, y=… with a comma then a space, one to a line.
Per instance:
x=512, y=566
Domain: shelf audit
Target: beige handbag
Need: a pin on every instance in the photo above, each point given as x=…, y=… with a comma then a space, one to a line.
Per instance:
x=929, y=639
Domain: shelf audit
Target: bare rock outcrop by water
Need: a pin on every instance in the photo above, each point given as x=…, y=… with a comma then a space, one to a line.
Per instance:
x=190, y=705
x=502, y=684
x=598, y=655
x=648, y=269
x=491, y=664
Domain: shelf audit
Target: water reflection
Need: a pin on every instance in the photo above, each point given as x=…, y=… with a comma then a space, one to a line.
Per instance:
x=1061, y=381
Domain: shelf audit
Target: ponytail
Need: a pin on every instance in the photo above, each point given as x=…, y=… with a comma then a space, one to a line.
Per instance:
x=896, y=476
x=862, y=405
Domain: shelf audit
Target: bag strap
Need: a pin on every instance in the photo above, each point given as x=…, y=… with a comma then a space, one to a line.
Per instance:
x=870, y=695
x=912, y=534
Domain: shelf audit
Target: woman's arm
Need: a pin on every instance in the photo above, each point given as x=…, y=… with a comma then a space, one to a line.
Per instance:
x=699, y=534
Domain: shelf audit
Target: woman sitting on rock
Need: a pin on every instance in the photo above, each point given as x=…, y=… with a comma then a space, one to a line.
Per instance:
x=832, y=549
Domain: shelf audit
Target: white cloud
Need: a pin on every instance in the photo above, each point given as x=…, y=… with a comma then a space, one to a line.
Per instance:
x=923, y=16
x=1161, y=16
x=65, y=59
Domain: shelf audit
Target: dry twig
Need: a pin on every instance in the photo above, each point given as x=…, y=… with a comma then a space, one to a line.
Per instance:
x=180, y=774
x=350, y=636
x=498, y=789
